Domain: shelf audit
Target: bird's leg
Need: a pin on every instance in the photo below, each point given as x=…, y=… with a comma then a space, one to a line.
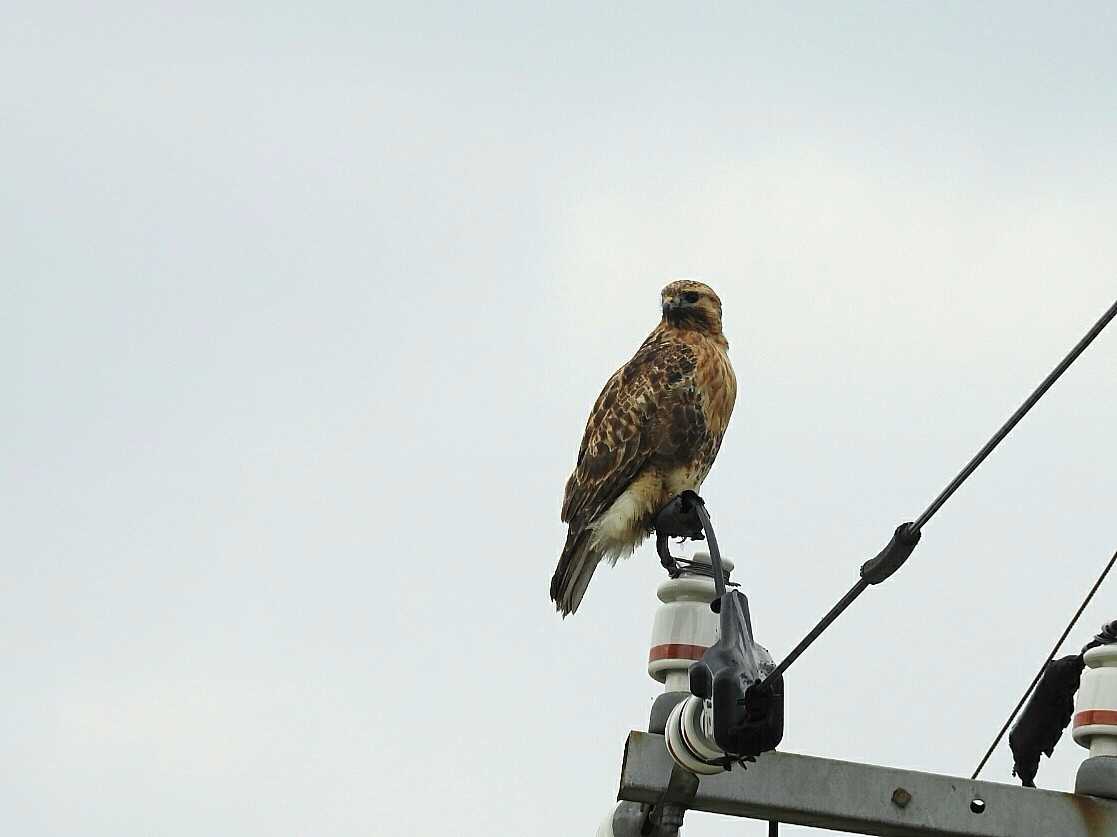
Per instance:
x=665, y=557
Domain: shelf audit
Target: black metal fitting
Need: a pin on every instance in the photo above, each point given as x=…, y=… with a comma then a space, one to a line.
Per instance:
x=747, y=716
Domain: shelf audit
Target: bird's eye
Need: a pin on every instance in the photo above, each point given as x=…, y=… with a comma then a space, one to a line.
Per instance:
x=690, y=297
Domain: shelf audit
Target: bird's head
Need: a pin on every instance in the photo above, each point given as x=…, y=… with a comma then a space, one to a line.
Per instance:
x=692, y=305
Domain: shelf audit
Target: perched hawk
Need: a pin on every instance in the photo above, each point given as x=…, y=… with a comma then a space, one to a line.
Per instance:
x=653, y=433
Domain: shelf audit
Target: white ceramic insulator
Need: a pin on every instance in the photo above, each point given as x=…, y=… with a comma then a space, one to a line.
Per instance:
x=1095, y=713
x=689, y=738
x=684, y=626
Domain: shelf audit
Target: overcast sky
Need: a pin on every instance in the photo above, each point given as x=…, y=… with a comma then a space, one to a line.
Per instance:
x=303, y=312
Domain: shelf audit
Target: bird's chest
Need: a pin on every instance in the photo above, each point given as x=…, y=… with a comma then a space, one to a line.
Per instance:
x=696, y=422
x=717, y=388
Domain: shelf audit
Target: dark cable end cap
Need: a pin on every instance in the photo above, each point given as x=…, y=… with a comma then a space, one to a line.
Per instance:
x=893, y=556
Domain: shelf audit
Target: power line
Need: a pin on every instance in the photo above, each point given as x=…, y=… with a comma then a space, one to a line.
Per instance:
x=1030, y=402
x=892, y=557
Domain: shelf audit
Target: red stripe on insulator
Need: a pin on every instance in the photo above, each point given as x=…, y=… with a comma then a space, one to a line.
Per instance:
x=672, y=651
x=1095, y=716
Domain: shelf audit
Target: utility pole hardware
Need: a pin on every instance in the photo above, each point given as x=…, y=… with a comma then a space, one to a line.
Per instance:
x=712, y=734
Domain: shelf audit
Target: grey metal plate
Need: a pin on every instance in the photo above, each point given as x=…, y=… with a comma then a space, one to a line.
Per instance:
x=858, y=798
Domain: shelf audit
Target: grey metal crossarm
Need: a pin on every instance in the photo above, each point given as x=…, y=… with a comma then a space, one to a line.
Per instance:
x=868, y=799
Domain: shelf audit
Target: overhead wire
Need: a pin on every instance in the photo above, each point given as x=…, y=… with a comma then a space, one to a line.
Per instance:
x=912, y=530
x=1014, y=419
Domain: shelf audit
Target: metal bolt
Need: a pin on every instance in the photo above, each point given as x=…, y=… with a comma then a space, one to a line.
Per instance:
x=901, y=798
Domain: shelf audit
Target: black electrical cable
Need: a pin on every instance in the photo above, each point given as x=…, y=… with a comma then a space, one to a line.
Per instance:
x=1042, y=668
x=1006, y=428
x=715, y=553
x=910, y=532
x=823, y=624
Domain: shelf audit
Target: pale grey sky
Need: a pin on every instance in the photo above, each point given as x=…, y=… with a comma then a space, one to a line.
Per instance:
x=304, y=311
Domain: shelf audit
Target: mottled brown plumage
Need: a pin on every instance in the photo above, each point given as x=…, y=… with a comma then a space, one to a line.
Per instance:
x=653, y=433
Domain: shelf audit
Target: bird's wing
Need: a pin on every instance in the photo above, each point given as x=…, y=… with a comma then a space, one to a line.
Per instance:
x=648, y=407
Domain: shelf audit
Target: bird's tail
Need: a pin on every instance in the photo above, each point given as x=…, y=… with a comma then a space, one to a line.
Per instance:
x=574, y=571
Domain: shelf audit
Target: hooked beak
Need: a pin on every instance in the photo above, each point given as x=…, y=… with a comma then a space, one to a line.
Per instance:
x=670, y=305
